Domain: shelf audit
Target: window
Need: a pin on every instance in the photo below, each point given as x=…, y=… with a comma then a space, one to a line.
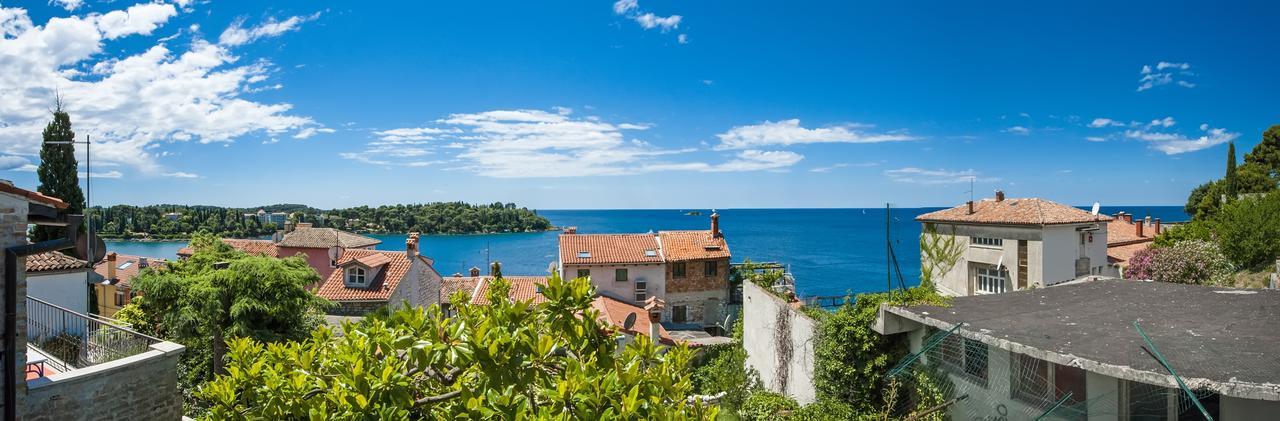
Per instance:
x=1141, y=401
x=966, y=357
x=584, y=273
x=709, y=269
x=620, y=275
x=650, y=253
x=640, y=297
x=119, y=298
x=584, y=255
x=1040, y=383
x=991, y=280
x=677, y=270
x=355, y=276
x=986, y=241
x=679, y=314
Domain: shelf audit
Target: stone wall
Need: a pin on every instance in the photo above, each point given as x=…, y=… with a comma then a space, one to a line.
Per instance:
x=355, y=308
x=695, y=278
x=141, y=387
x=13, y=232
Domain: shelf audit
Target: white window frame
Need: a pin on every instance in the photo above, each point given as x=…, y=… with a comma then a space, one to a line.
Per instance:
x=990, y=280
x=986, y=242
x=357, y=276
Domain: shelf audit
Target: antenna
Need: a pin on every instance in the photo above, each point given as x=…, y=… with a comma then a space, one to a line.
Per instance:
x=971, y=180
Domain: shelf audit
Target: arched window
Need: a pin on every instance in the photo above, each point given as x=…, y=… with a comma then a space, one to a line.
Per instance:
x=355, y=276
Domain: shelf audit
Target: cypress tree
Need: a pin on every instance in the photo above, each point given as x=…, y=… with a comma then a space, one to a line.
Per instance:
x=1231, y=171
x=58, y=171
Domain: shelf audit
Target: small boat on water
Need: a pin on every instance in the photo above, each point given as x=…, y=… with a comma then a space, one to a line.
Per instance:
x=693, y=213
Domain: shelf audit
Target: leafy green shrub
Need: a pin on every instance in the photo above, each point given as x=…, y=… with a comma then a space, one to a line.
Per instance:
x=1194, y=230
x=1249, y=230
x=828, y=410
x=1191, y=262
x=725, y=370
x=767, y=406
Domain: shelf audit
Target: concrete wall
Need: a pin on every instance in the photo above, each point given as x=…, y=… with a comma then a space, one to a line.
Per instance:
x=141, y=387
x=959, y=280
x=66, y=289
x=1062, y=248
x=770, y=327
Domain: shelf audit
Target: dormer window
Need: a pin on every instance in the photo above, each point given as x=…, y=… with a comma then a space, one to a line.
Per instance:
x=356, y=276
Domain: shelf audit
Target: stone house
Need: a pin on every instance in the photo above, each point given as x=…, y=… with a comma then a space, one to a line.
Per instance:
x=364, y=280
x=1015, y=244
x=688, y=270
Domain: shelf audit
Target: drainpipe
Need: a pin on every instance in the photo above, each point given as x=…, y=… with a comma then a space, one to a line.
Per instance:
x=11, y=255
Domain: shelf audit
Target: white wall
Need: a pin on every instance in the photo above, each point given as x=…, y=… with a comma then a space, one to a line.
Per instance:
x=66, y=289
x=1062, y=248
x=761, y=313
x=956, y=281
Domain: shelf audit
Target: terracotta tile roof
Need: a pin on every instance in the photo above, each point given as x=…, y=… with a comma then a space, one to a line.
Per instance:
x=523, y=288
x=614, y=313
x=127, y=268
x=52, y=261
x=1029, y=211
x=1122, y=253
x=8, y=187
x=325, y=238
x=609, y=249
x=691, y=245
x=451, y=284
x=373, y=260
x=1120, y=232
x=255, y=247
x=334, y=287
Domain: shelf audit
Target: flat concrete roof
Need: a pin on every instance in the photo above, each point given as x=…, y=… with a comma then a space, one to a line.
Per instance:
x=1221, y=339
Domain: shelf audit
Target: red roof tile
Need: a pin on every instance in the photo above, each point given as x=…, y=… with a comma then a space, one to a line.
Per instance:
x=1123, y=253
x=51, y=261
x=127, y=267
x=523, y=288
x=1120, y=232
x=324, y=238
x=335, y=289
x=614, y=312
x=692, y=245
x=609, y=249
x=8, y=187
x=373, y=260
x=1030, y=211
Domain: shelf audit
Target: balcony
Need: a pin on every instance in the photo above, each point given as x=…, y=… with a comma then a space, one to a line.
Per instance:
x=80, y=365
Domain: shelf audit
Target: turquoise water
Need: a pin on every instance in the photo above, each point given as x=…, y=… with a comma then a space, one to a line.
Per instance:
x=830, y=251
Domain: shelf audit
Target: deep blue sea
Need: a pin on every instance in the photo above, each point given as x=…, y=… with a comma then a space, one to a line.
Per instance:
x=830, y=251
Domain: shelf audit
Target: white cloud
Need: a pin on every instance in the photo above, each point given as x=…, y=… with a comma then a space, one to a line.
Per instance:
x=70, y=5
x=1163, y=122
x=1104, y=122
x=309, y=131
x=1164, y=73
x=648, y=20
x=1176, y=143
x=1018, y=130
x=790, y=132
x=132, y=102
x=939, y=176
x=10, y=162
x=180, y=174
x=237, y=34
x=1095, y=138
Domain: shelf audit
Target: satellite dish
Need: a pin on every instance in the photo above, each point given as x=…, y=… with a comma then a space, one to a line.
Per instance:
x=82, y=248
x=629, y=322
x=1096, y=207
x=335, y=252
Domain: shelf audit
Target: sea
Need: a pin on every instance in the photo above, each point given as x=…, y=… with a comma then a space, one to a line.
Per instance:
x=829, y=251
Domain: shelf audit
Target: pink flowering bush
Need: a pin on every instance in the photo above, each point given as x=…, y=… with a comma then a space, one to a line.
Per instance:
x=1140, y=264
x=1185, y=262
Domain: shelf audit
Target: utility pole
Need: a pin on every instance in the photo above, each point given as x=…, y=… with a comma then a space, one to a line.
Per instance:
x=888, y=259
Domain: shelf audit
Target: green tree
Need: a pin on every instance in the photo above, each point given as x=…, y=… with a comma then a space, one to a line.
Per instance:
x=506, y=360
x=58, y=171
x=220, y=293
x=1193, y=199
x=1249, y=231
x=1267, y=152
x=1231, y=171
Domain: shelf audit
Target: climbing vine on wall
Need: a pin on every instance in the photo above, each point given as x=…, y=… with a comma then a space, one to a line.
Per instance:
x=938, y=253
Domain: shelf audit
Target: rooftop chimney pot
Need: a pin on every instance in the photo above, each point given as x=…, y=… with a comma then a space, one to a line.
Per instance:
x=715, y=225
x=111, y=266
x=475, y=271
x=1155, y=227
x=970, y=207
x=1138, y=228
x=999, y=195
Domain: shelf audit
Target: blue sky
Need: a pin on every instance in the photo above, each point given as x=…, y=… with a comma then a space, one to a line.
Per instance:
x=648, y=104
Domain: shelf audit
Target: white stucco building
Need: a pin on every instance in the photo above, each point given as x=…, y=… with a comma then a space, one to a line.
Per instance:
x=1015, y=244
x=60, y=280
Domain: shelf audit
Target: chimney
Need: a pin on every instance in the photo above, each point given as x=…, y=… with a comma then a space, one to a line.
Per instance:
x=1138, y=228
x=654, y=306
x=1147, y=220
x=1128, y=218
x=111, y=266
x=475, y=271
x=495, y=269
x=999, y=195
x=1155, y=227
x=303, y=225
x=970, y=207
x=411, y=246
x=288, y=227
x=715, y=225
x=571, y=230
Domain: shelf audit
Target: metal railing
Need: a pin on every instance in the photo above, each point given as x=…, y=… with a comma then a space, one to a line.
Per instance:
x=73, y=340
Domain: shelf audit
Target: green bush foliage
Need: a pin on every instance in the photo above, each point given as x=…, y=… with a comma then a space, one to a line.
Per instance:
x=1249, y=231
x=725, y=370
x=767, y=406
x=506, y=360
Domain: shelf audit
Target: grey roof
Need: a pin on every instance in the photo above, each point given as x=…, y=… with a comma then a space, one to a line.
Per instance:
x=325, y=238
x=1223, y=339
